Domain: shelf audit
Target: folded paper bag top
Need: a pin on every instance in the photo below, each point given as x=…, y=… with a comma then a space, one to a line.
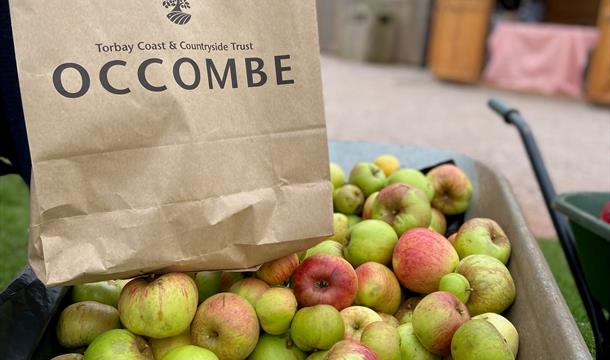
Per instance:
x=171, y=135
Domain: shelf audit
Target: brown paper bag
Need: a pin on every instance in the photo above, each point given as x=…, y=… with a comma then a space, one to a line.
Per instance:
x=171, y=135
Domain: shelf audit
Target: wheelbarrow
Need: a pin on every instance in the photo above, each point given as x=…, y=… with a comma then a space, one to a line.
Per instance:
x=584, y=238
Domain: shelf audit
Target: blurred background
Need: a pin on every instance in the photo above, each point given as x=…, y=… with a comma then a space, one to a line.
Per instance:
x=420, y=72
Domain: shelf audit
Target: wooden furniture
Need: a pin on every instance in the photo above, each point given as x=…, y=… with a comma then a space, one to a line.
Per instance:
x=598, y=79
x=458, y=37
x=571, y=12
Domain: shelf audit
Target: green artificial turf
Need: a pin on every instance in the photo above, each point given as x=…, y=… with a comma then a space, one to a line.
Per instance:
x=14, y=216
x=13, y=250
x=559, y=266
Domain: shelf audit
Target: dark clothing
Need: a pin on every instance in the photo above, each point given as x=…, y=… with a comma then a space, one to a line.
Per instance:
x=13, y=137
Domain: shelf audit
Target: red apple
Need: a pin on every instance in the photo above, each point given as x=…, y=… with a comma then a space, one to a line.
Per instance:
x=227, y=325
x=325, y=279
x=378, y=288
x=421, y=258
x=452, y=189
x=367, y=210
x=436, y=318
x=403, y=207
x=352, y=350
x=276, y=272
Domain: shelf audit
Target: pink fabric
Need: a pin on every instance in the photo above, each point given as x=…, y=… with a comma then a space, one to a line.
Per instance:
x=547, y=58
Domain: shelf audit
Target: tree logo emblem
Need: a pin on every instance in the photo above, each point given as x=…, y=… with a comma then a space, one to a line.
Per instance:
x=177, y=14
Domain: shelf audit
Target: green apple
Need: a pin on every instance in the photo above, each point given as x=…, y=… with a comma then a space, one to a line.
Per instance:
x=367, y=208
x=118, y=344
x=368, y=177
x=190, y=352
x=482, y=236
x=318, y=355
x=370, y=240
x=227, y=325
x=352, y=220
x=456, y=284
x=438, y=222
x=383, y=339
x=405, y=311
x=159, y=307
x=317, y=327
x=250, y=289
x=208, y=284
x=271, y=347
x=82, y=322
x=355, y=319
x=506, y=329
x=410, y=347
x=479, y=339
x=452, y=189
x=492, y=286
x=378, y=288
x=337, y=176
x=390, y=319
x=340, y=228
x=105, y=292
x=275, y=310
x=326, y=247
x=161, y=346
x=348, y=199
x=403, y=207
x=71, y=356
x=437, y=316
x=415, y=178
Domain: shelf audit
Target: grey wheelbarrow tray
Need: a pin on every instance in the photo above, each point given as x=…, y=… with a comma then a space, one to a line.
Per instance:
x=546, y=327
x=547, y=330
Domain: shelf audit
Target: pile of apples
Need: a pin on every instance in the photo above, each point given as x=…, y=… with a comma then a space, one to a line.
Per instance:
x=388, y=285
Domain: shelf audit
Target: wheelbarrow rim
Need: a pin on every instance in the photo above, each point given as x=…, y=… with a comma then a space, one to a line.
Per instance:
x=597, y=226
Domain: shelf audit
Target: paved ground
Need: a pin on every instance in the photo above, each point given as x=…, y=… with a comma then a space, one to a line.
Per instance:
x=402, y=105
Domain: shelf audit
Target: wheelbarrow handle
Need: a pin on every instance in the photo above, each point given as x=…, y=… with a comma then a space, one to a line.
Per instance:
x=502, y=108
x=566, y=240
